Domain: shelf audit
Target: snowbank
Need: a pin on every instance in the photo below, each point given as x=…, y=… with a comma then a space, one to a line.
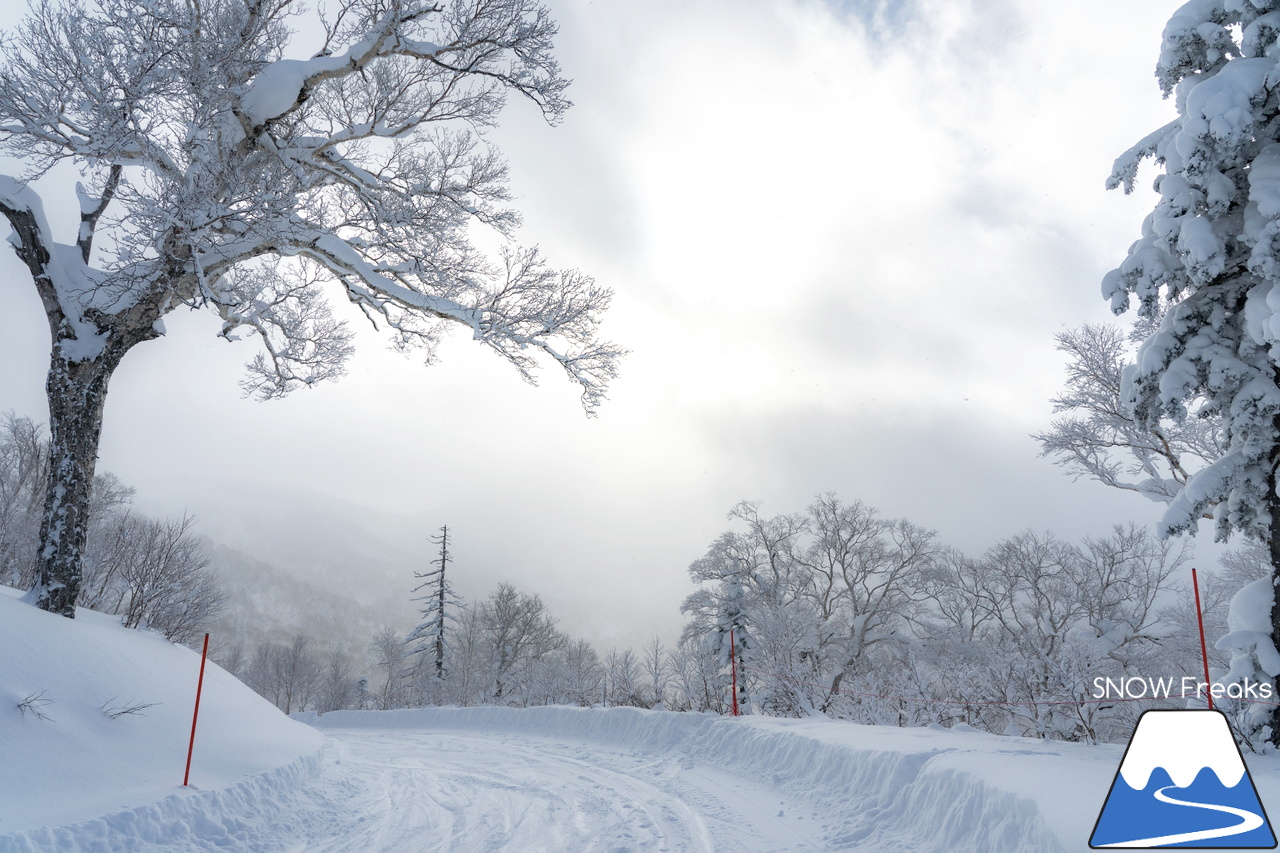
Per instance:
x=85, y=781
x=66, y=761
x=877, y=788
x=247, y=815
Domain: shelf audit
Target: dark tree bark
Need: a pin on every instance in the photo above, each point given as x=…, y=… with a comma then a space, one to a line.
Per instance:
x=79, y=372
x=77, y=391
x=440, y=601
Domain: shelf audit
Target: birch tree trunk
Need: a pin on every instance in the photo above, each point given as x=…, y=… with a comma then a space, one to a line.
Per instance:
x=77, y=392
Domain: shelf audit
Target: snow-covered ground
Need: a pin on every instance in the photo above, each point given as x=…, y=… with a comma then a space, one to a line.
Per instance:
x=470, y=779
x=106, y=782
x=623, y=779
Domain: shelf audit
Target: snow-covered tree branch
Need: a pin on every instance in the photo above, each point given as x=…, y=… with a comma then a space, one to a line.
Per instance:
x=1207, y=258
x=222, y=174
x=1097, y=436
x=851, y=614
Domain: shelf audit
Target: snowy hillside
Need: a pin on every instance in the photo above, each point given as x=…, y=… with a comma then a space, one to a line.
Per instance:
x=65, y=758
x=458, y=779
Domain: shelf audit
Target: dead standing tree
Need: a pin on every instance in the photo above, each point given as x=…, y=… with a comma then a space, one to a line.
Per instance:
x=438, y=599
x=221, y=175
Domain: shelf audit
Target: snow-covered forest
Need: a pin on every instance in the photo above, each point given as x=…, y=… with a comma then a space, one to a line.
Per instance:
x=153, y=573
x=813, y=272
x=833, y=608
x=838, y=611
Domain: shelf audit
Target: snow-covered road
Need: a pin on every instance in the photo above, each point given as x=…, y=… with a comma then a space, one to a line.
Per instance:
x=574, y=779
x=424, y=790
x=488, y=778
x=620, y=779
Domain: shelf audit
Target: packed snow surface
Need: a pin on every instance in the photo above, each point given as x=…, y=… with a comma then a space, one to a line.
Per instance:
x=464, y=779
x=574, y=779
x=625, y=779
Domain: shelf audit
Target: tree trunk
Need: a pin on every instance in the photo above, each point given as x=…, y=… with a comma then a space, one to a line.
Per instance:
x=79, y=370
x=77, y=391
x=857, y=642
x=744, y=698
x=834, y=689
x=444, y=557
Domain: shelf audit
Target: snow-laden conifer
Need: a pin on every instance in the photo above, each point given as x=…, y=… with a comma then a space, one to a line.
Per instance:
x=1209, y=256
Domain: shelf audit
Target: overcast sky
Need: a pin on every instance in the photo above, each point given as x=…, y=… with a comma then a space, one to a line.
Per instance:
x=841, y=238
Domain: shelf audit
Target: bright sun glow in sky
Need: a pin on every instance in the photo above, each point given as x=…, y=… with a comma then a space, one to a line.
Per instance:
x=841, y=237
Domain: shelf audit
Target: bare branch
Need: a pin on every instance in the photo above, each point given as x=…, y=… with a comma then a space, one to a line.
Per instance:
x=124, y=709
x=34, y=704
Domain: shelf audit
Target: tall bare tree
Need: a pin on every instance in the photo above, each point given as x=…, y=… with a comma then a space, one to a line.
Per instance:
x=389, y=651
x=1097, y=435
x=438, y=598
x=221, y=175
x=23, y=469
x=868, y=572
x=517, y=630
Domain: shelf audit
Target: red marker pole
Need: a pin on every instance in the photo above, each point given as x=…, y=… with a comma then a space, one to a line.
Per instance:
x=1204, y=649
x=195, y=716
x=733, y=660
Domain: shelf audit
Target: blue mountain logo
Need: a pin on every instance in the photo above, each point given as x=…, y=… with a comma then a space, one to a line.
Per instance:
x=1182, y=783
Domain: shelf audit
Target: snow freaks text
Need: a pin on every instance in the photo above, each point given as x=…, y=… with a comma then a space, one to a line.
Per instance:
x=1137, y=687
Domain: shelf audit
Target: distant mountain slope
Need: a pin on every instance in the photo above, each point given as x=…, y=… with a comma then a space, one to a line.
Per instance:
x=267, y=603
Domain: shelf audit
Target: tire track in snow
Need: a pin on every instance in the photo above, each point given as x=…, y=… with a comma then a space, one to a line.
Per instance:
x=423, y=790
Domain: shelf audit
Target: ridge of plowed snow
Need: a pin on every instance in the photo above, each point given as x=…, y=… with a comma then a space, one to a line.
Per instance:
x=229, y=818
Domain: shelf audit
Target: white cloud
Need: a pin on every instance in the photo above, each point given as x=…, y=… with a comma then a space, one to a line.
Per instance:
x=839, y=260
